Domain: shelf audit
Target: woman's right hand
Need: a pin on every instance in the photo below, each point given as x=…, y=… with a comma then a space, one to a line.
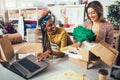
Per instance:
x=41, y=56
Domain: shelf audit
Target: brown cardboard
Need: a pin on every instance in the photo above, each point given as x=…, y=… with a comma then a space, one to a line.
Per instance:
x=0, y=58
x=81, y=63
x=86, y=55
x=84, y=64
x=29, y=48
x=82, y=52
x=15, y=38
x=105, y=52
x=6, y=49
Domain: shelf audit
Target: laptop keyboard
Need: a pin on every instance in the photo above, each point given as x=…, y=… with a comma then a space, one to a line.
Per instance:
x=29, y=65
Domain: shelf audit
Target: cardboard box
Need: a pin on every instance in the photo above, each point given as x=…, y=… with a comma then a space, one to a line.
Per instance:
x=83, y=51
x=85, y=54
x=6, y=49
x=106, y=53
x=28, y=49
x=84, y=64
x=81, y=63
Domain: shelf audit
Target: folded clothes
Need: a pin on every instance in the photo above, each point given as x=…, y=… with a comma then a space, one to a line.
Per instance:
x=81, y=34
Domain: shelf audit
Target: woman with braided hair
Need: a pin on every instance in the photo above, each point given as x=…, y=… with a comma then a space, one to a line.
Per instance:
x=54, y=35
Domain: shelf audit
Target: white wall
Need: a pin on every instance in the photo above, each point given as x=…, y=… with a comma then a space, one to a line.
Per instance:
x=45, y=2
x=2, y=8
x=28, y=3
x=23, y=3
x=32, y=3
x=105, y=3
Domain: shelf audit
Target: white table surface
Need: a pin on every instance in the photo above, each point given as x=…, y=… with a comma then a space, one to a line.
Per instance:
x=57, y=66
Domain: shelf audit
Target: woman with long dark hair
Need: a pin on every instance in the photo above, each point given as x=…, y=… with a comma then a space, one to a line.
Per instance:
x=96, y=21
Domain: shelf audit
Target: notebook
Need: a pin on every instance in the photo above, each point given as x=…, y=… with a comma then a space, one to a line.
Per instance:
x=26, y=67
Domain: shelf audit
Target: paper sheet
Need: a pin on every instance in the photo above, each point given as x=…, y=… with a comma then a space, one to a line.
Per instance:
x=69, y=75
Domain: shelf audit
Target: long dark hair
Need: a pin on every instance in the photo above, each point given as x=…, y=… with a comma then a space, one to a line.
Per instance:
x=42, y=23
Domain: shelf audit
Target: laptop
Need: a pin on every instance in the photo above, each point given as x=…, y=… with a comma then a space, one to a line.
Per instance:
x=26, y=67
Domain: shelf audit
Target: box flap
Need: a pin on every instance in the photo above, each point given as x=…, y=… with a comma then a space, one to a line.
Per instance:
x=6, y=49
x=109, y=47
x=105, y=52
x=82, y=52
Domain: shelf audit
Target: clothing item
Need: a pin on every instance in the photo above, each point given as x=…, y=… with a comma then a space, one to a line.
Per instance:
x=60, y=37
x=10, y=28
x=81, y=34
x=106, y=32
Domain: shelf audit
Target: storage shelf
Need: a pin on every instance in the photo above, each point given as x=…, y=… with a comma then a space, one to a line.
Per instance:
x=33, y=13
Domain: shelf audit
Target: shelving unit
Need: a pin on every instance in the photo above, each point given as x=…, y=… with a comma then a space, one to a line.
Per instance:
x=29, y=18
x=13, y=14
x=29, y=14
x=67, y=14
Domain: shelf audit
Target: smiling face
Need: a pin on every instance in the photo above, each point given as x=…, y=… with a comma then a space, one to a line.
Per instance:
x=92, y=14
x=50, y=26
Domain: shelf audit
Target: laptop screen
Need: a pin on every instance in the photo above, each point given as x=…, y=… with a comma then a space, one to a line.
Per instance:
x=29, y=65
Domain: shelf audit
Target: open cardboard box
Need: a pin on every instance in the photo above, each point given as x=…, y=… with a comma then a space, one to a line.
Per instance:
x=85, y=64
x=102, y=50
x=93, y=60
x=29, y=48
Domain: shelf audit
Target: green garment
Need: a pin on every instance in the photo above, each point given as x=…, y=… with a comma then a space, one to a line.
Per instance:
x=81, y=34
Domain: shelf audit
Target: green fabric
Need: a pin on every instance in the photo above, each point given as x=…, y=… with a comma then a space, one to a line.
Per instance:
x=81, y=34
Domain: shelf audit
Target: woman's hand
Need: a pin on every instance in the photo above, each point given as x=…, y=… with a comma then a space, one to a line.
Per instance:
x=41, y=56
x=77, y=44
